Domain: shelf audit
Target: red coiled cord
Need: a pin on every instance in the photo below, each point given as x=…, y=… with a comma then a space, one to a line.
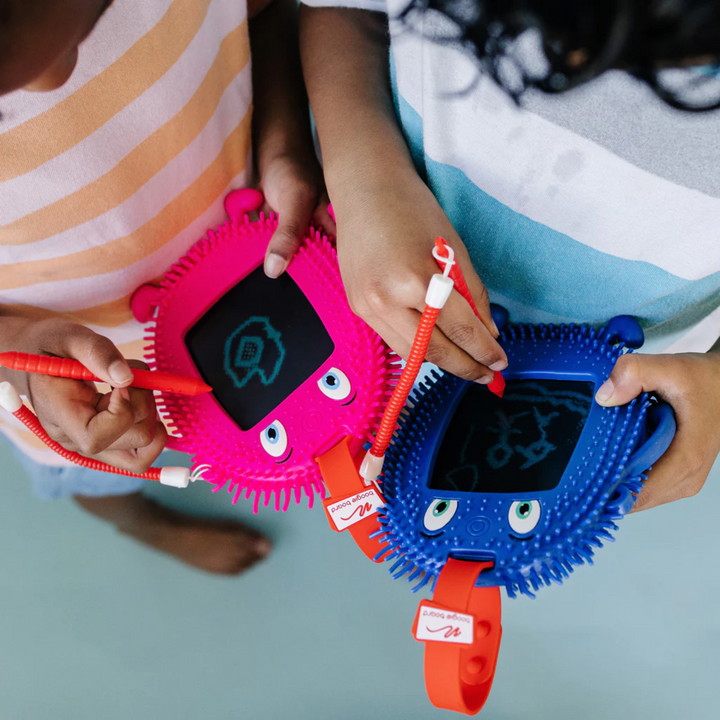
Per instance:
x=407, y=380
x=29, y=419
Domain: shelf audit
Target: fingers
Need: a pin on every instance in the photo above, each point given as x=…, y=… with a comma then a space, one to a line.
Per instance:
x=123, y=422
x=463, y=329
x=442, y=352
x=322, y=219
x=90, y=431
x=83, y=420
x=479, y=293
x=142, y=432
x=680, y=473
x=112, y=442
x=632, y=375
x=460, y=343
x=672, y=479
x=96, y=353
x=295, y=209
x=635, y=373
x=140, y=459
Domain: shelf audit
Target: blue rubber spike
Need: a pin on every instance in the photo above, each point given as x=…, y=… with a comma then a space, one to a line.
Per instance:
x=533, y=482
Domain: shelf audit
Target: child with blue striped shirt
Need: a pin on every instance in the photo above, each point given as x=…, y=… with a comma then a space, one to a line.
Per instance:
x=572, y=207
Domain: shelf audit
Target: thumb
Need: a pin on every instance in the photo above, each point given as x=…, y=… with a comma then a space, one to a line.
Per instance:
x=633, y=374
x=294, y=218
x=97, y=354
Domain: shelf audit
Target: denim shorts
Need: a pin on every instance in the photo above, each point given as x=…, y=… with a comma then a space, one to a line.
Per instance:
x=50, y=482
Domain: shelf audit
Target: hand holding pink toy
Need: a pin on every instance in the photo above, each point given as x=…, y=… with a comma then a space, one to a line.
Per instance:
x=294, y=189
x=289, y=175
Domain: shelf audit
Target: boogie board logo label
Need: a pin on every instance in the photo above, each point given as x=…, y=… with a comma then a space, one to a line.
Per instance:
x=255, y=349
x=437, y=625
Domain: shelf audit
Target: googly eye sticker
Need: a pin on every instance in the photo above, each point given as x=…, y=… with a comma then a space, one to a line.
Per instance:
x=335, y=384
x=439, y=513
x=523, y=516
x=274, y=439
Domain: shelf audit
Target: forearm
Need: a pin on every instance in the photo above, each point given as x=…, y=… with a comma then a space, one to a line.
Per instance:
x=281, y=121
x=345, y=61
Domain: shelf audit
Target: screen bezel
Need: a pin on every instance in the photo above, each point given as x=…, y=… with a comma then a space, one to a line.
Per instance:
x=441, y=421
x=216, y=273
x=299, y=333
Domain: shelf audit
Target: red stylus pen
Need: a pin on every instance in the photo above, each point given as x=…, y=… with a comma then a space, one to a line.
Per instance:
x=67, y=368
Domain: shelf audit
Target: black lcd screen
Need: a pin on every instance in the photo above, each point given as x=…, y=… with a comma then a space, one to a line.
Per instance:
x=520, y=443
x=257, y=345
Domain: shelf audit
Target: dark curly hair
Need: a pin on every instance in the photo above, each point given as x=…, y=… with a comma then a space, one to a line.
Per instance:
x=581, y=39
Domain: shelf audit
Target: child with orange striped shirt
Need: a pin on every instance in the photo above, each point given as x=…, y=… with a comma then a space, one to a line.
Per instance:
x=145, y=123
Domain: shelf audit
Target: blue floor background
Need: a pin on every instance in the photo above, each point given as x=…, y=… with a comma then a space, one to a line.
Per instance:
x=93, y=626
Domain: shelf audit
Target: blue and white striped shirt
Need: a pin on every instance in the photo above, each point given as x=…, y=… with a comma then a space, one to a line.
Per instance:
x=574, y=208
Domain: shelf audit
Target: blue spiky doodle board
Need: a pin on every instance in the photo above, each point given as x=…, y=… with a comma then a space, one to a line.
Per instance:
x=533, y=482
x=513, y=492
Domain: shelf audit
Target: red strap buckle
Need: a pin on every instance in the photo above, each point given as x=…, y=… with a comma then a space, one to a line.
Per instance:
x=461, y=630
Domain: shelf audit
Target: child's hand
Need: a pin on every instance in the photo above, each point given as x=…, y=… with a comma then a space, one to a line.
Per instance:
x=691, y=384
x=120, y=428
x=385, y=242
x=289, y=173
x=293, y=187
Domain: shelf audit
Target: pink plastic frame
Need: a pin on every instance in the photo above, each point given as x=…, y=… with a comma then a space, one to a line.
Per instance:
x=314, y=422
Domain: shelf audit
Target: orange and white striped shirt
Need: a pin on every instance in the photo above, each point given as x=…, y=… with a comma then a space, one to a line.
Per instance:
x=105, y=182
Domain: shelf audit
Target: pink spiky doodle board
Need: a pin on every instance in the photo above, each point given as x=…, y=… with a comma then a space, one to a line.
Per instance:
x=293, y=370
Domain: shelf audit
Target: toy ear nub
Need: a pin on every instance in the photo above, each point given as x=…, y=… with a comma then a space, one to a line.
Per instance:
x=500, y=316
x=620, y=504
x=625, y=329
x=242, y=202
x=144, y=302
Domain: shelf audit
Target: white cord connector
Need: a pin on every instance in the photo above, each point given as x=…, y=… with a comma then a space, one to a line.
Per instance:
x=441, y=286
x=175, y=477
x=438, y=291
x=371, y=468
x=10, y=398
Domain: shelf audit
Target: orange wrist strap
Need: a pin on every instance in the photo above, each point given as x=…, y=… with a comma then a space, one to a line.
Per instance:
x=458, y=676
x=340, y=471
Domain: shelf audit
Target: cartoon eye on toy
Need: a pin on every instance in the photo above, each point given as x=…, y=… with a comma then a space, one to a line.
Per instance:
x=335, y=384
x=439, y=514
x=274, y=439
x=524, y=516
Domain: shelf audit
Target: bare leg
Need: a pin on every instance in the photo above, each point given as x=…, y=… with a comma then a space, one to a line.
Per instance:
x=219, y=546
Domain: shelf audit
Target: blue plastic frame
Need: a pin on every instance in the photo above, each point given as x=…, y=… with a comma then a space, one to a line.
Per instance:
x=598, y=487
